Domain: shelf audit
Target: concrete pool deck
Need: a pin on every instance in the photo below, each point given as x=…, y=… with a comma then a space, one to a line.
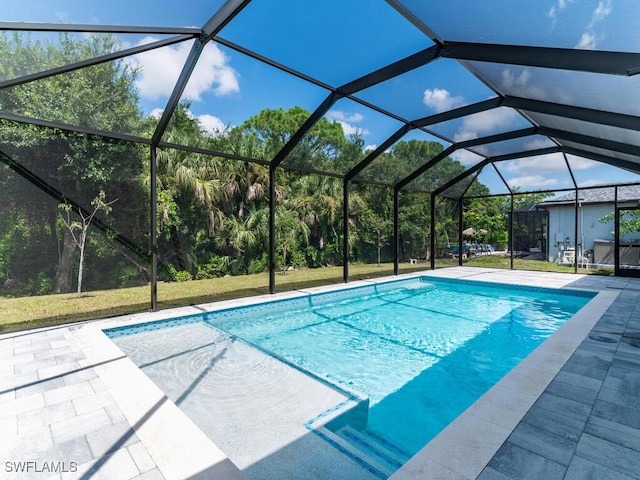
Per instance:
x=70, y=400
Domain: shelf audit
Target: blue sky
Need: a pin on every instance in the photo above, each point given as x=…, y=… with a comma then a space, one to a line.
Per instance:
x=337, y=41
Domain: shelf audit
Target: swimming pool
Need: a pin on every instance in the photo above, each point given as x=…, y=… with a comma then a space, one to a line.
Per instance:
x=420, y=350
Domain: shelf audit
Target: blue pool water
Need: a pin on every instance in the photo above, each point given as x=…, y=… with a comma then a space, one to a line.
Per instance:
x=422, y=350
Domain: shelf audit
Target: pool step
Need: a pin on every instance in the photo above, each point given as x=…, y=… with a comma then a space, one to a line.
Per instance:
x=372, y=448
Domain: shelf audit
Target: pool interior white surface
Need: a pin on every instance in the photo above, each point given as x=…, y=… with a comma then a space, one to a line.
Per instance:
x=461, y=450
x=253, y=406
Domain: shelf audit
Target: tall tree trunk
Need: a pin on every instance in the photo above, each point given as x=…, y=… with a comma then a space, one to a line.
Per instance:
x=427, y=250
x=284, y=260
x=64, y=273
x=181, y=256
x=81, y=266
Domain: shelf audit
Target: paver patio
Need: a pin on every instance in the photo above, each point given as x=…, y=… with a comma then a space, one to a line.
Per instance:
x=62, y=411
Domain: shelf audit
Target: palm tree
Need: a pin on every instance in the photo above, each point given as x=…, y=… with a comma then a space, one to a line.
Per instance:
x=189, y=194
x=234, y=237
x=242, y=238
x=290, y=229
x=317, y=198
x=245, y=184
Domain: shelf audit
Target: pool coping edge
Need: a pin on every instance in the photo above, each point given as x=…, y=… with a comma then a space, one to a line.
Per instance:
x=165, y=431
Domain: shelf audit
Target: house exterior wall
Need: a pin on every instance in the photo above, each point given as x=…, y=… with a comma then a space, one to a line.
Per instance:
x=562, y=227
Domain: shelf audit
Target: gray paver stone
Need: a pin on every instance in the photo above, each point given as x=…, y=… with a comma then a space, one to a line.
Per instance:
x=607, y=454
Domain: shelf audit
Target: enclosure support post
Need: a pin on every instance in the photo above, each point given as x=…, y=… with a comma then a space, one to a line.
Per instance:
x=272, y=229
x=616, y=233
x=432, y=240
x=512, y=227
x=345, y=230
x=575, y=233
x=460, y=228
x=396, y=232
x=154, y=228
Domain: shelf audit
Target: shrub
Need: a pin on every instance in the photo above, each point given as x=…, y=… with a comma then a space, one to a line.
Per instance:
x=217, y=266
x=182, y=276
x=259, y=265
x=297, y=259
x=170, y=274
x=40, y=285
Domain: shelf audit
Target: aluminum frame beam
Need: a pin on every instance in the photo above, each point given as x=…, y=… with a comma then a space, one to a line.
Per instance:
x=525, y=154
x=304, y=129
x=271, y=63
x=593, y=61
x=392, y=70
x=470, y=171
x=498, y=137
x=222, y=17
x=93, y=28
x=493, y=160
x=94, y=61
x=73, y=128
x=614, y=162
x=229, y=10
x=592, y=141
x=153, y=217
x=401, y=132
x=56, y=194
x=424, y=122
x=591, y=115
x=466, y=144
x=441, y=156
x=458, y=112
x=176, y=94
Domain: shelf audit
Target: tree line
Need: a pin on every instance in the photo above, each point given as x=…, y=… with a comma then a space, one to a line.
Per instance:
x=213, y=211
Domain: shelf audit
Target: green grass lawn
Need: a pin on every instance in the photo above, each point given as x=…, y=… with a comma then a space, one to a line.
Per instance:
x=48, y=310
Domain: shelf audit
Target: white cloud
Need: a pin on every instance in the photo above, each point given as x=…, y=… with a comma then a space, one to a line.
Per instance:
x=349, y=122
x=588, y=41
x=512, y=81
x=160, y=68
x=440, y=99
x=591, y=183
x=538, y=143
x=465, y=157
x=524, y=82
x=212, y=125
x=551, y=168
x=581, y=163
x=339, y=115
x=561, y=5
x=518, y=81
x=349, y=129
x=156, y=113
x=370, y=148
x=600, y=13
x=484, y=123
x=543, y=164
x=532, y=181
